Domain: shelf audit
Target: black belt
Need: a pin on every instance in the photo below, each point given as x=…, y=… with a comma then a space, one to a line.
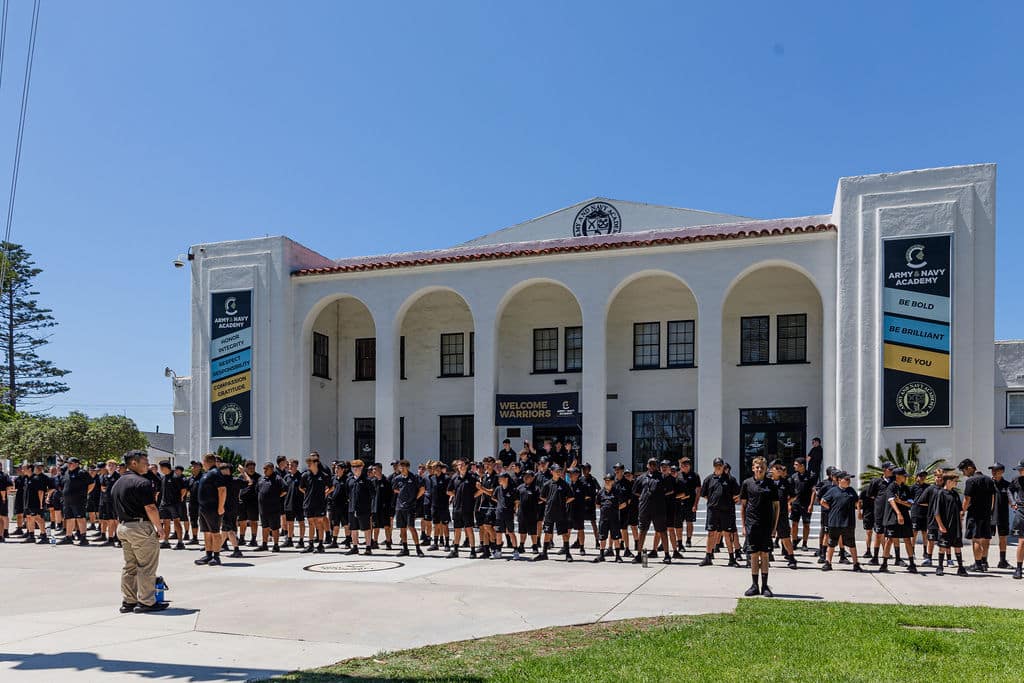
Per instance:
x=133, y=519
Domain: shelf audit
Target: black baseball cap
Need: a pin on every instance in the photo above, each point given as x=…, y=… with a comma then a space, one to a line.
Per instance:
x=503, y=475
x=609, y=477
x=618, y=466
x=921, y=473
x=574, y=470
x=74, y=460
x=555, y=468
x=665, y=463
x=529, y=473
x=887, y=466
x=717, y=461
x=900, y=470
x=997, y=466
x=506, y=440
x=1020, y=465
x=544, y=458
x=966, y=462
x=652, y=461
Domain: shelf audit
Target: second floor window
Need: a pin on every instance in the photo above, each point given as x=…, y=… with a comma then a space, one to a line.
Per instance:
x=452, y=354
x=680, y=343
x=792, y=338
x=321, y=365
x=754, y=339
x=545, y=350
x=573, y=349
x=646, y=345
x=366, y=359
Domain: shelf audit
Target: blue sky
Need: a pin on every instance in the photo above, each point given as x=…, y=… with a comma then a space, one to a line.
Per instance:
x=369, y=128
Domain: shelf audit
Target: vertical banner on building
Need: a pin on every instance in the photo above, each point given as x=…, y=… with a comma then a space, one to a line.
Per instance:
x=231, y=364
x=916, y=331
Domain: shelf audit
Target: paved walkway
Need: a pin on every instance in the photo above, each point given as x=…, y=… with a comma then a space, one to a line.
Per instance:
x=266, y=614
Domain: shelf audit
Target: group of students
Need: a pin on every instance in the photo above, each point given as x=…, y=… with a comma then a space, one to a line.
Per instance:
x=527, y=499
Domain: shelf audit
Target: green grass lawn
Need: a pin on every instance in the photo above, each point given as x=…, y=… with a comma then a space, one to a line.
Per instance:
x=764, y=640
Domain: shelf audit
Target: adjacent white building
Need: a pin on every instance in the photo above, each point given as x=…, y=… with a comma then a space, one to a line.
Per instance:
x=633, y=330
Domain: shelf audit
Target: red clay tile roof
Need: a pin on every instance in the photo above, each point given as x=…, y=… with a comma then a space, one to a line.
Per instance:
x=626, y=240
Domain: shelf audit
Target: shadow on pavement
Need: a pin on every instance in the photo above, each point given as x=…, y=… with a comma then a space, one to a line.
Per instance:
x=88, y=661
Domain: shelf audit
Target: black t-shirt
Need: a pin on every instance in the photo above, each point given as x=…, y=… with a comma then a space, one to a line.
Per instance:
x=505, y=498
x=689, y=482
x=407, y=489
x=130, y=495
x=489, y=481
x=171, y=487
x=555, y=494
x=579, y=492
x=1002, y=494
x=438, y=492
x=464, y=488
x=380, y=503
x=93, y=497
x=268, y=492
x=360, y=495
x=76, y=485
x=250, y=489
x=948, y=506
x=783, y=490
x=293, y=497
x=234, y=487
x=822, y=488
x=192, y=483
x=917, y=491
x=718, y=490
x=37, y=483
x=506, y=456
x=814, y=459
x=802, y=485
x=338, y=497
x=609, y=502
x=208, y=485
x=879, y=501
x=842, y=507
x=895, y=492
x=1016, y=492
x=107, y=482
x=527, y=464
x=979, y=488
x=650, y=488
x=529, y=500
x=314, y=486
x=760, y=496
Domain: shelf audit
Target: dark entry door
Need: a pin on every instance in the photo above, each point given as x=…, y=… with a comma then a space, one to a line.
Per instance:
x=772, y=433
x=562, y=434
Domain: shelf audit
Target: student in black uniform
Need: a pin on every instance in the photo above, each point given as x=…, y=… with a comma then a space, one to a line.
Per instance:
x=841, y=504
x=408, y=488
x=690, y=485
x=1016, y=495
x=92, y=501
x=896, y=520
x=528, y=511
x=504, y=514
x=440, y=512
x=929, y=501
x=108, y=520
x=506, y=455
x=486, y=507
x=229, y=520
x=315, y=485
x=282, y=471
x=918, y=514
x=760, y=512
x=293, y=507
x=337, y=506
x=172, y=492
x=360, y=505
x=589, y=509
x=611, y=502
x=35, y=500
x=20, y=480
x=948, y=511
x=526, y=459
x=875, y=503
x=651, y=500
x=248, y=504
x=5, y=483
x=463, y=491
x=624, y=488
x=802, y=484
x=1001, y=514
x=555, y=496
x=820, y=490
x=270, y=492
x=192, y=483
x=979, y=501
x=780, y=481
x=213, y=494
x=721, y=516
x=55, y=498
x=77, y=487
x=380, y=516
x=579, y=492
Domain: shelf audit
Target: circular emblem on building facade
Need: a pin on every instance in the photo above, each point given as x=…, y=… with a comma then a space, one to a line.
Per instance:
x=230, y=417
x=355, y=567
x=915, y=399
x=915, y=256
x=597, y=218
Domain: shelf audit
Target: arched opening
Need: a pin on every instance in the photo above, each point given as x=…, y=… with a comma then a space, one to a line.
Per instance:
x=436, y=367
x=341, y=381
x=540, y=353
x=651, y=370
x=771, y=366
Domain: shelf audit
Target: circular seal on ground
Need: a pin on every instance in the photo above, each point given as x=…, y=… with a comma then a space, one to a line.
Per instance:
x=353, y=567
x=597, y=218
x=915, y=400
x=230, y=417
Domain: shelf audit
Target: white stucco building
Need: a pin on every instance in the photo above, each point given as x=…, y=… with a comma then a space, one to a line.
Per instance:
x=632, y=329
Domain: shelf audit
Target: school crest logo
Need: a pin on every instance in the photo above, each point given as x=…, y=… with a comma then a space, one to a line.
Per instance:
x=230, y=417
x=597, y=218
x=915, y=256
x=915, y=400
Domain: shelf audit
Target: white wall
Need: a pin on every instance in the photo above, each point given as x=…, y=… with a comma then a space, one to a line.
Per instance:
x=1009, y=443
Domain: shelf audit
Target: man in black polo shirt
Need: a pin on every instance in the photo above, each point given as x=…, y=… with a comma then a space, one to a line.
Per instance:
x=408, y=488
x=721, y=512
x=928, y=502
x=555, y=496
x=293, y=506
x=92, y=500
x=270, y=493
x=815, y=458
x=77, y=486
x=611, y=501
x=108, y=520
x=759, y=510
x=440, y=512
x=35, y=495
x=576, y=511
x=487, y=507
x=192, y=486
x=337, y=506
x=873, y=505
x=650, y=489
x=896, y=520
x=979, y=501
x=1001, y=514
x=528, y=511
x=360, y=504
x=229, y=519
x=802, y=484
x=841, y=503
x=690, y=485
x=948, y=511
x=783, y=490
x=590, y=509
x=248, y=504
x=463, y=490
x=315, y=485
x=134, y=500
x=506, y=455
x=213, y=494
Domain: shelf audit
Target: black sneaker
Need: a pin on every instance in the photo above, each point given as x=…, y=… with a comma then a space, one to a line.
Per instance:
x=911, y=568
x=752, y=591
x=287, y=542
x=627, y=553
x=404, y=552
x=262, y=548
x=215, y=561
x=236, y=553
x=253, y=543
x=453, y=553
x=961, y=572
x=541, y=557
x=857, y=567
x=706, y=562
x=827, y=567
x=1018, y=574
x=1003, y=564
x=180, y=545
x=766, y=592
x=155, y=607
x=940, y=568
x=368, y=551
x=636, y=560
x=205, y=559
x=873, y=561
x=792, y=563
x=568, y=557
x=354, y=550
x=276, y=548
x=127, y=607
x=307, y=549
x=419, y=552
x=320, y=548
x=83, y=543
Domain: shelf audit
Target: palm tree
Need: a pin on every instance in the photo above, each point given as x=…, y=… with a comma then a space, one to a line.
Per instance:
x=909, y=460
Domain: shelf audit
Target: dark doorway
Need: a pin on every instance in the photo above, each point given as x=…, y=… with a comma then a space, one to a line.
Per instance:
x=456, y=438
x=772, y=433
x=365, y=439
x=562, y=434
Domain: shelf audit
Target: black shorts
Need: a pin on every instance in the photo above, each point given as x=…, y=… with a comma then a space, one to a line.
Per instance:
x=193, y=515
x=91, y=505
x=73, y=509
x=405, y=519
x=504, y=524
x=590, y=513
x=685, y=513
x=271, y=519
x=1018, y=523
x=1002, y=525
x=209, y=521
x=951, y=539
x=338, y=516
x=799, y=513
x=759, y=538
x=978, y=528
x=294, y=516
x=169, y=513
x=556, y=526
x=440, y=515
x=359, y=521
x=379, y=520
x=56, y=502
x=577, y=522
x=32, y=511
x=933, y=534
x=647, y=519
x=527, y=524
x=609, y=527
x=249, y=511
x=844, y=535
x=315, y=511
x=721, y=520
x=486, y=516
x=919, y=523
x=462, y=519
x=783, y=531
x=631, y=516
x=877, y=526
x=107, y=512
x=898, y=531
x=229, y=521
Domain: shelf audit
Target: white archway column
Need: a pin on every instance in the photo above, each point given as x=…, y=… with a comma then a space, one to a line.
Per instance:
x=386, y=386
x=485, y=382
x=594, y=398
x=709, y=377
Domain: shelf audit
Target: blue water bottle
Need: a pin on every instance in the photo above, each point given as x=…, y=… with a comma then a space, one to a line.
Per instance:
x=160, y=588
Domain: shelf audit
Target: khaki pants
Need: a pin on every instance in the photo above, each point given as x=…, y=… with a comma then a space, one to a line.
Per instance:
x=141, y=549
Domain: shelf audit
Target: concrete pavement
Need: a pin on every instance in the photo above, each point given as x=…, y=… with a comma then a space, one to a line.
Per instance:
x=271, y=613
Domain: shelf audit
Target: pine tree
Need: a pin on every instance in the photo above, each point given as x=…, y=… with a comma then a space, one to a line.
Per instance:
x=23, y=332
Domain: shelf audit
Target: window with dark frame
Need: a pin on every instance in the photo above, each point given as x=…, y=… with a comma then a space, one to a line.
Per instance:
x=754, y=340
x=321, y=356
x=545, y=349
x=646, y=345
x=791, y=336
x=401, y=357
x=366, y=358
x=472, y=353
x=574, y=349
x=453, y=354
x=365, y=439
x=456, y=438
x=1015, y=409
x=680, y=344
x=659, y=434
